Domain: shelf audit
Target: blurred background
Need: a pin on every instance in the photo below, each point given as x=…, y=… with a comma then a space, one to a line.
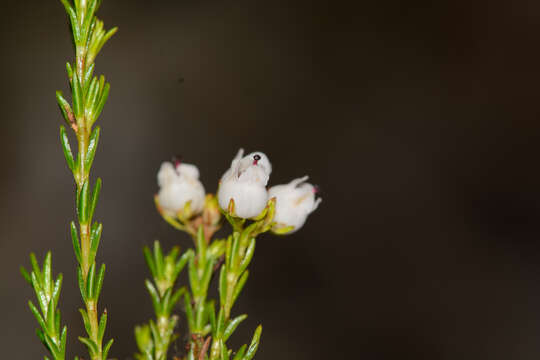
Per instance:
x=419, y=120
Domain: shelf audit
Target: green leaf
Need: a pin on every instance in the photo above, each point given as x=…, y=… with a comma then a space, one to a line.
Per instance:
x=254, y=344
x=35, y=266
x=211, y=313
x=25, y=275
x=232, y=325
x=240, y=285
x=102, y=325
x=91, y=98
x=90, y=282
x=83, y=204
x=65, y=109
x=73, y=20
x=224, y=352
x=95, y=237
x=99, y=282
x=76, y=243
x=154, y=296
x=222, y=284
x=69, y=71
x=248, y=256
x=150, y=261
x=92, y=147
x=240, y=354
x=37, y=315
x=107, y=348
x=220, y=325
x=50, y=317
x=158, y=259
x=47, y=282
x=174, y=298
x=95, y=197
x=92, y=346
x=180, y=264
x=86, y=321
x=63, y=338
x=193, y=279
x=78, y=101
x=87, y=77
x=82, y=288
x=57, y=288
x=189, y=310
x=102, y=101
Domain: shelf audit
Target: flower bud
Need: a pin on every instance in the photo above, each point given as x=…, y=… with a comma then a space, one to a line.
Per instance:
x=245, y=184
x=294, y=202
x=179, y=184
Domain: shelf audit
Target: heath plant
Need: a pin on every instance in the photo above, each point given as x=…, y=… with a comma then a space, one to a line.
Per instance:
x=242, y=199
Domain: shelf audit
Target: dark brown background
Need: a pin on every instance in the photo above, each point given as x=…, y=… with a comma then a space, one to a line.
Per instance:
x=419, y=119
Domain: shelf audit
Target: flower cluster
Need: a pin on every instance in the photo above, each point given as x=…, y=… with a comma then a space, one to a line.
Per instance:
x=242, y=193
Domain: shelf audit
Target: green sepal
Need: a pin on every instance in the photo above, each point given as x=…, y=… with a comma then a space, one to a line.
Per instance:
x=232, y=325
x=254, y=344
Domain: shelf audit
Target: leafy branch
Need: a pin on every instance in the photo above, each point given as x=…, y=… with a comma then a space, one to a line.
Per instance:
x=154, y=338
x=48, y=316
x=89, y=95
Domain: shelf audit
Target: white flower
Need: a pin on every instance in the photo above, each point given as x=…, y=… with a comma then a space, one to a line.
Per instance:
x=179, y=184
x=294, y=202
x=245, y=183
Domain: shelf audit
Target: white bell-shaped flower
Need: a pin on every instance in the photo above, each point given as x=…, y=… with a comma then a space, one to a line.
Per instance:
x=178, y=185
x=245, y=183
x=294, y=202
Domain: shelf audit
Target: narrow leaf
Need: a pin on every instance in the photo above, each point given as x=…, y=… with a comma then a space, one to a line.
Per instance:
x=92, y=147
x=76, y=243
x=254, y=344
